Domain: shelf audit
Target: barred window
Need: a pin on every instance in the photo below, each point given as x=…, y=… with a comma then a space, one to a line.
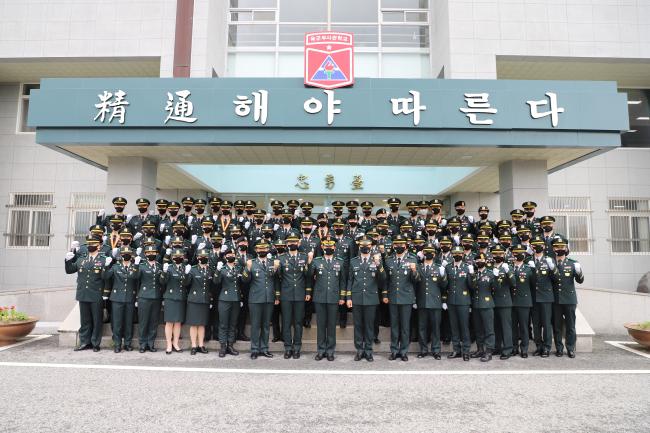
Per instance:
x=573, y=220
x=30, y=220
x=83, y=213
x=629, y=225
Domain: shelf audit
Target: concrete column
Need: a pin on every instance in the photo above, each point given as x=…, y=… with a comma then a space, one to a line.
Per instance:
x=520, y=181
x=131, y=178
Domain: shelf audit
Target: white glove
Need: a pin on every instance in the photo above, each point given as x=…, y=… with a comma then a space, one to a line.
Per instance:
x=137, y=260
x=247, y=224
x=167, y=239
x=219, y=266
x=578, y=268
x=470, y=309
x=211, y=306
x=495, y=271
x=326, y=210
x=188, y=268
x=275, y=227
x=162, y=227
x=419, y=233
x=470, y=268
x=529, y=250
x=104, y=238
x=190, y=219
x=114, y=252
x=445, y=263
x=105, y=298
x=108, y=261
x=165, y=267
x=415, y=306
x=138, y=251
x=443, y=222
x=444, y=306
x=224, y=247
x=296, y=214
x=513, y=230
x=194, y=237
x=505, y=267
x=74, y=246
x=69, y=256
x=241, y=304
x=456, y=238
x=441, y=271
x=128, y=217
x=168, y=252
x=269, y=256
x=531, y=264
x=549, y=262
x=152, y=212
x=137, y=236
x=101, y=213
x=420, y=254
x=202, y=245
x=470, y=218
x=136, y=303
x=240, y=219
x=436, y=243
x=267, y=216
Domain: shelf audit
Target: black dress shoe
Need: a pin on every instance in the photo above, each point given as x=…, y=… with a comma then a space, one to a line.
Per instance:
x=142, y=350
x=243, y=337
x=545, y=354
x=392, y=357
x=253, y=355
x=231, y=350
x=287, y=354
x=476, y=354
x=496, y=352
x=96, y=349
x=117, y=349
x=342, y=325
x=203, y=349
x=168, y=352
x=267, y=354
x=422, y=355
x=222, y=352
x=524, y=355
x=177, y=350
x=307, y=324
x=487, y=356
x=559, y=353
x=537, y=352
x=193, y=351
x=515, y=351
x=330, y=357
x=405, y=357
x=153, y=349
x=436, y=356
x=369, y=358
x=318, y=357
x=571, y=354
x=128, y=348
x=358, y=357
x=504, y=356
x=296, y=355
x=276, y=339
x=454, y=355
x=377, y=341
x=83, y=347
x=465, y=357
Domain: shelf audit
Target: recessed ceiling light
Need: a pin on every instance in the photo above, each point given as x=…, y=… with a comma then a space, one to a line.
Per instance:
x=467, y=157
x=633, y=102
x=643, y=118
x=632, y=130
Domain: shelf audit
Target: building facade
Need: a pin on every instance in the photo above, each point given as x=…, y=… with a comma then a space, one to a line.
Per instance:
x=600, y=199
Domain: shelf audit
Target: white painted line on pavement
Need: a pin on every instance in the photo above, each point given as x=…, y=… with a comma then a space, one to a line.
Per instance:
x=624, y=345
x=29, y=339
x=323, y=372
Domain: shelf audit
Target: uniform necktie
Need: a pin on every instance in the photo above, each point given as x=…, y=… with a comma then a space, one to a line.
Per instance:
x=426, y=268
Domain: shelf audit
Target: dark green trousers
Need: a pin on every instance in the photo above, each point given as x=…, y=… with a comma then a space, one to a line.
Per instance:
x=503, y=329
x=484, y=327
x=260, y=315
x=293, y=314
x=364, y=324
x=429, y=329
x=520, y=317
x=148, y=319
x=122, y=322
x=228, y=317
x=400, y=328
x=326, y=316
x=459, y=321
x=564, y=315
x=91, y=316
x=542, y=325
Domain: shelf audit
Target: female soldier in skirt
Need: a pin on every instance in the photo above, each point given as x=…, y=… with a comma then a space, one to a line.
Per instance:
x=175, y=298
x=197, y=313
x=227, y=278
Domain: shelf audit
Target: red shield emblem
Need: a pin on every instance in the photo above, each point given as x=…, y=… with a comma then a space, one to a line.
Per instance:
x=329, y=59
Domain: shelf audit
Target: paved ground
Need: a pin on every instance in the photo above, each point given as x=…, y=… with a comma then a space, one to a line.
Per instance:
x=50, y=389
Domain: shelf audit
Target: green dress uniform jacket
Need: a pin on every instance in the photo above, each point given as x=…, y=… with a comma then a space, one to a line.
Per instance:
x=292, y=274
x=565, y=289
x=200, y=279
x=123, y=281
x=262, y=282
x=401, y=279
x=460, y=284
x=502, y=285
x=522, y=279
x=228, y=281
x=483, y=294
x=175, y=282
x=544, y=280
x=431, y=287
x=150, y=281
x=90, y=279
x=363, y=281
x=329, y=280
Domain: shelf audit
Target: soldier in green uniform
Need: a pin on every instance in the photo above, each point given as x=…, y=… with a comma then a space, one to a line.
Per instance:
x=430, y=290
x=523, y=286
x=149, y=299
x=175, y=298
x=122, y=285
x=261, y=298
x=228, y=281
x=530, y=220
x=327, y=276
x=135, y=222
x=545, y=276
x=403, y=275
x=199, y=298
x=502, y=304
x=549, y=235
x=564, y=313
x=461, y=280
x=394, y=219
x=483, y=308
x=292, y=272
x=105, y=220
x=367, y=220
x=365, y=274
x=90, y=271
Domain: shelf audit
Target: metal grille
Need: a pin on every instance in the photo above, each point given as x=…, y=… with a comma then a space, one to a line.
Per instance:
x=569, y=204
x=626, y=204
x=629, y=225
x=83, y=213
x=573, y=220
x=30, y=220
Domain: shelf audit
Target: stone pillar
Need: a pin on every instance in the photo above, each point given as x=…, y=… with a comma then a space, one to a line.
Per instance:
x=520, y=181
x=132, y=178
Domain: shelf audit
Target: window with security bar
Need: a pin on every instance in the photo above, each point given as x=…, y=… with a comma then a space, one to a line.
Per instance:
x=573, y=220
x=83, y=213
x=30, y=220
x=629, y=225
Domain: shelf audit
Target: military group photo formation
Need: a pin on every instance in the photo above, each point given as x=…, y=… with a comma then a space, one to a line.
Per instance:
x=457, y=286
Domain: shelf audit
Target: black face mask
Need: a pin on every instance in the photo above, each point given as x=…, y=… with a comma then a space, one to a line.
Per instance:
x=560, y=253
x=381, y=219
x=148, y=232
x=329, y=251
x=207, y=230
x=498, y=259
x=458, y=258
x=152, y=257
x=230, y=259
x=117, y=227
x=338, y=212
x=480, y=265
x=547, y=229
x=483, y=244
x=460, y=211
x=435, y=210
x=119, y=209
x=277, y=211
x=293, y=247
x=322, y=223
x=187, y=208
x=383, y=232
x=125, y=241
x=505, y=245
x=92, y=248
x=352, y=223
x=483, y=216
x=240, y=211
x=364, y=250
x=538, y=248
x=419, y=247
x=162, y=211
x=178, y=233
x=200, y=210
x=216, y=244
x=306, y=212
x=394, y=208
x=243, y=247
x=530, y=214
x=454, y=229
x=225, y=213
x=215, y=209
x=262, y=253
x=338, y=231
x=268, y=234
x=367, y=213
x=445, y=248
x=431, y=232
x=126, y=257
x=142, y=209
x=524, y=237
x=467, y=247
x=520, y=257
x=173, y=212
x=400, y=249
x=203, y=260
x=249, y=212
x=413, y=212
x=286, y=220
x=178, y=260
x=280, y=250
x=306, y=230
x=259, y=221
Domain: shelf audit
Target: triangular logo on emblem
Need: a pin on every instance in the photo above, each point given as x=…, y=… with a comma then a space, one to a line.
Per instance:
x=329, y=70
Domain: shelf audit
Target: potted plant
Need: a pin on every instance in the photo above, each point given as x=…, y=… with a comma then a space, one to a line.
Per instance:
x=640, y=332
x=14, y=325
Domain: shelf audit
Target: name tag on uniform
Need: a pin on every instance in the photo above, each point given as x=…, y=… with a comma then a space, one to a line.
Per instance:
x=543, y=272
x=567, y=274
x=487, y=299
x=464, y=292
